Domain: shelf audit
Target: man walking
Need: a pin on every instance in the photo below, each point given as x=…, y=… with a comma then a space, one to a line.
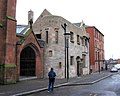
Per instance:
x=51, y=76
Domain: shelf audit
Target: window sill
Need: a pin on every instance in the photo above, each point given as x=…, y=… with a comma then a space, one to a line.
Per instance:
x=72, y=41
x=78, y=43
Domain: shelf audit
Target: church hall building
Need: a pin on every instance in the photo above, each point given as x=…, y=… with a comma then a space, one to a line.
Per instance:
x=50, y=28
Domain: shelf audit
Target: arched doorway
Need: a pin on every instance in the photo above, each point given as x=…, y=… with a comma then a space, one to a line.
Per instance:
x=79, y=66
x=27, y=62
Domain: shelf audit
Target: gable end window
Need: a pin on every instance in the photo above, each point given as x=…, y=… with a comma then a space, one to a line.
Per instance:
x=50, y=53
x=78, y=39
x=56, y=37
x=60, y=65
x=72, y=37
x=46, y=36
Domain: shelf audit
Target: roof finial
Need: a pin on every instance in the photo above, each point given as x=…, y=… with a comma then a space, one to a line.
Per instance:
x=82, y=24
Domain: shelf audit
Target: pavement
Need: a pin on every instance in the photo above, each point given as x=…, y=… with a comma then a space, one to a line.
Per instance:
x=26, y=87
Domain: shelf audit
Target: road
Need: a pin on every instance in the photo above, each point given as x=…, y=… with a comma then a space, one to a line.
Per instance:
x=107, y=87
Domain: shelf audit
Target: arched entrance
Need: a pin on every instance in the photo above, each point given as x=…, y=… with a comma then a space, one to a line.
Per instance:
x=27, y=62
x=79, y=66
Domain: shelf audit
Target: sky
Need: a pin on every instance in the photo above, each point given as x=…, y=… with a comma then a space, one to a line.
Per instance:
x=103, y=14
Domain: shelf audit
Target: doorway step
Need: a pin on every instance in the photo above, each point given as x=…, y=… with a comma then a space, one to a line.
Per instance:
x=27, y=77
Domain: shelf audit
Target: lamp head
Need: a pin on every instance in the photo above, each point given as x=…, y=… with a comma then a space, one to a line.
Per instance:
x=67, y=35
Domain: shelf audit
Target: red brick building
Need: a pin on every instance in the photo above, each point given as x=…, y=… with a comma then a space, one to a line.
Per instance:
x=21, y=54
x=118, y=61
x=96, y=48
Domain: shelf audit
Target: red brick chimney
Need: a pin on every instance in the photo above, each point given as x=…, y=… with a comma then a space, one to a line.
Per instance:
x=7, y=41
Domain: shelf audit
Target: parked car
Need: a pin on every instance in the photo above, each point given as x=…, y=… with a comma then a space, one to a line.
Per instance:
x=113, y=69
x=117, y=66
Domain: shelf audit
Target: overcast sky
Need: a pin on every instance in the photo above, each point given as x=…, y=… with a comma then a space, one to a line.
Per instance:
x=103, y=14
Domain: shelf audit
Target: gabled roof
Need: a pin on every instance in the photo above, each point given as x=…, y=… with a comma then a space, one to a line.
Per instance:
x=42, y=15
x=81, y=24
x=45, y=12
x=77, y=24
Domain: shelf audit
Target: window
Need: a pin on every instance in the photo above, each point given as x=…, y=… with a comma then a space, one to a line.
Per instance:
x=99, y=36
x=83, y=43
x=96, y=34
x=72, y=37
x=71, y=60
x=46, y=36
x=60, y=65
x=86, y=43
x=56, y=37
x=95, y=43
x=38, y=36
x=84, y=58
x=96, y=55
x=50, y=53
x=102, y=38
x=78, y=39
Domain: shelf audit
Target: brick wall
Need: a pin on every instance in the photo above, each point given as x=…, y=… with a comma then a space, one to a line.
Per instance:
x=96, y=43
x=8, y=41
x=90, y=30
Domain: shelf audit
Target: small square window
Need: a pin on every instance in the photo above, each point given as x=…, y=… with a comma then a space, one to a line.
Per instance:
x=72, y=37
x=56, y=37
x=78, y=39
x=50, y=53
x=60, y=65
x=38, y=36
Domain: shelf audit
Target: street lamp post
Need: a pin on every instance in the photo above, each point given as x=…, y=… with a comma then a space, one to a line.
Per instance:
x=67, y=35
x=64, y=27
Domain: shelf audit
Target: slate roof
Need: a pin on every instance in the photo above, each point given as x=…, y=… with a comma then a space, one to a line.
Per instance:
x=21, y=29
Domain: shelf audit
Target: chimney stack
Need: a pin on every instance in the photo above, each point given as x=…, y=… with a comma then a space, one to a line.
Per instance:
x=30, y=16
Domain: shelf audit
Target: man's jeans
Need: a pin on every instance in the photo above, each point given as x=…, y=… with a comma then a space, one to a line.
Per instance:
x=51, y=84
